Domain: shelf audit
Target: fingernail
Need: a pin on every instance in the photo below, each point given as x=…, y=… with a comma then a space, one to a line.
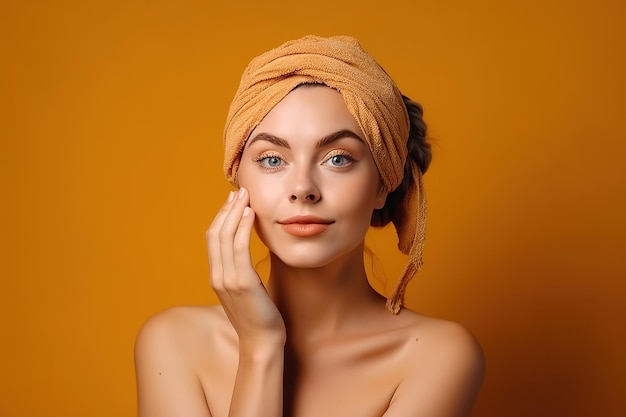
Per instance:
x=242, y=191
x=231, y=196
x=246, y=211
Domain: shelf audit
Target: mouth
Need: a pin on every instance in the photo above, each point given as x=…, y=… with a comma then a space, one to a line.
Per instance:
x=305, y=226
x=305, y=219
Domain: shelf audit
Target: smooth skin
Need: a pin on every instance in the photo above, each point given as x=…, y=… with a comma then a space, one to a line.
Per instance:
x=318, y=341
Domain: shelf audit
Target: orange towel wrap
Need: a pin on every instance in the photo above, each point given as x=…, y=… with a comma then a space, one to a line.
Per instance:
x=372, y=98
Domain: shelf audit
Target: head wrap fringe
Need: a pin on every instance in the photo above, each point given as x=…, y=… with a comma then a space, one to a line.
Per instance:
x=411, y=228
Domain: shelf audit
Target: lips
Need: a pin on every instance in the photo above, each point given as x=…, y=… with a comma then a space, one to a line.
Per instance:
x=305, y=226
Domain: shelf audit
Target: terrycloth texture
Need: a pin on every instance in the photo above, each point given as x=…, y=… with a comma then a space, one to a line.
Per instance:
x=372, y=98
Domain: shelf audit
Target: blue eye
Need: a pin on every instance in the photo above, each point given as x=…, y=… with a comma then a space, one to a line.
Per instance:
x=271, y=161
x=340, y=160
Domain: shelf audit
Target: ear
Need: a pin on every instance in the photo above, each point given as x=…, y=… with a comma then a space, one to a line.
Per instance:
x=381, y=197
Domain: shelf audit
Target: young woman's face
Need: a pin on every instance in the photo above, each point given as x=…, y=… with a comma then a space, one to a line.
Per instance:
x=312, y=181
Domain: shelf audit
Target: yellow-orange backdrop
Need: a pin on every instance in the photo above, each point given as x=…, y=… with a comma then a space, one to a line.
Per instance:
x=111, y=119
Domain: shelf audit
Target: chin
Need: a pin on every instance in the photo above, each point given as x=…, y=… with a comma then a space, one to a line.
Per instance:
x=302, y=262
x=309, y=255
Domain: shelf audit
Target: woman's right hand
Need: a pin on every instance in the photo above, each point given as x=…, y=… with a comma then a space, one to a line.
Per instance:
x=243, y=296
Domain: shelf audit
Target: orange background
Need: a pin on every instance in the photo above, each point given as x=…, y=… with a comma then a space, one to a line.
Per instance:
x=110, y=160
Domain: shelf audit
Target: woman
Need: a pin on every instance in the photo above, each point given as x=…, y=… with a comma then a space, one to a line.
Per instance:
x=319, y=144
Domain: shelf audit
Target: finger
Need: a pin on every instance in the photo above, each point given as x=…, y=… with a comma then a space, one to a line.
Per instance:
x=241, y=247
x=212, y=240
x=226, y=239
x=222, y=213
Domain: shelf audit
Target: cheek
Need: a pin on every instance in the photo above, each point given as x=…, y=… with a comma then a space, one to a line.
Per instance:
x=263, y=193
x=247, y=180
x=357, y=196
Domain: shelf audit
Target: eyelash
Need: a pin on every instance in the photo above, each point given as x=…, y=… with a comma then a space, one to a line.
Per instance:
x=262, y=159
x=349, y=158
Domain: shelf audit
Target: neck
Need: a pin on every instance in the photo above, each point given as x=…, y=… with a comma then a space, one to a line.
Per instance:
x=317, y=303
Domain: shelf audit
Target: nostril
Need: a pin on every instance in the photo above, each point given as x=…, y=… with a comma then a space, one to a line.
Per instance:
x=310, y=197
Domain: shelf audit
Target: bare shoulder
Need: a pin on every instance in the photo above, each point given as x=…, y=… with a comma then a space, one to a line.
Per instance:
x=171, y=352
x=444, y=369
x=443, y=338
x=187, y=324
x=186, y=334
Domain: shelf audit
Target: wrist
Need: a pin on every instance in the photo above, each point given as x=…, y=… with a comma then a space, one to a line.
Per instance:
x=256, y=350
x=261, y=357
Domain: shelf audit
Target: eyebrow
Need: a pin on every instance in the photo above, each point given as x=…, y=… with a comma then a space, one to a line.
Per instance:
x=345, y=133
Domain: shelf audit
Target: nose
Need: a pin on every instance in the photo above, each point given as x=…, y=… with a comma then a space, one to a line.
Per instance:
x=304, y=188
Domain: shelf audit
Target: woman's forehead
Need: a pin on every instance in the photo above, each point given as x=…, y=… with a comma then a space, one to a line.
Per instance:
x=313, y=111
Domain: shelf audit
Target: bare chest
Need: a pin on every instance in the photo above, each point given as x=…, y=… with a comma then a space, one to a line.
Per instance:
x=338, y=386
x=348, y=378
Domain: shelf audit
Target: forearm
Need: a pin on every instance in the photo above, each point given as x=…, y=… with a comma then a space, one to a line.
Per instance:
x=258, y=390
